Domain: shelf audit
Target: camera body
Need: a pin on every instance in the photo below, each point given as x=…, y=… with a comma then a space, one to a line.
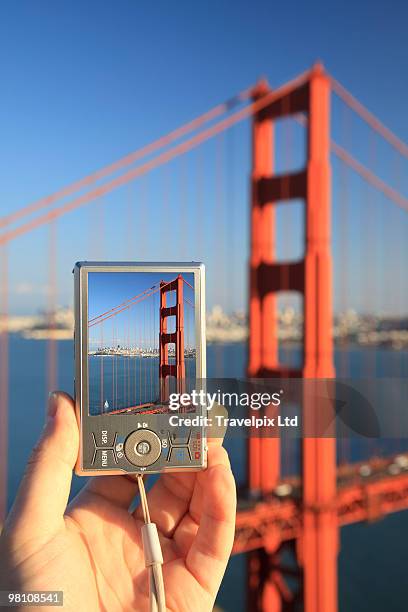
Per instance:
x=139, y=339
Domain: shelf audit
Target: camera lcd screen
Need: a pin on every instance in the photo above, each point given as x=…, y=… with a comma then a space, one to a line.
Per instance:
x=142, y=339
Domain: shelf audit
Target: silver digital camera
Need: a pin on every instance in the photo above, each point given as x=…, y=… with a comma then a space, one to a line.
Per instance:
x=139, y=346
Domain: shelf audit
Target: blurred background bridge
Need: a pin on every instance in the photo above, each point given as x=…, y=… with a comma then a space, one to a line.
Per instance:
x=325, y=241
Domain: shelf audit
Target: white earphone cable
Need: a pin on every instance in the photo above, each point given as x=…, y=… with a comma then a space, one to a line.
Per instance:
x=153, y=554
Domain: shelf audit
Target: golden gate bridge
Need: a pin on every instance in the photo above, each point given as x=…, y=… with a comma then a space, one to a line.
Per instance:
x=150, y=343
x=353, y=241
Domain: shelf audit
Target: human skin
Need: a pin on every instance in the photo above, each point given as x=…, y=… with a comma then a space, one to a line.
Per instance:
x=91, y=549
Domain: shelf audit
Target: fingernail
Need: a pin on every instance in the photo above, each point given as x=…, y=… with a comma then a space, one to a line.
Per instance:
x=52, y=405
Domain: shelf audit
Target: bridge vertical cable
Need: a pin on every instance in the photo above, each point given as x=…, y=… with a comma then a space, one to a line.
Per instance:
x=4, y=379
x=52, y=354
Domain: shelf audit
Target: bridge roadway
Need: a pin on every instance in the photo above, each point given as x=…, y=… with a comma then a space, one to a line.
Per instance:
x=366, y=491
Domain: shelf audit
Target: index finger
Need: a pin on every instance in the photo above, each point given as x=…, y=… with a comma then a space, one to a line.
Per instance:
x=210, y=549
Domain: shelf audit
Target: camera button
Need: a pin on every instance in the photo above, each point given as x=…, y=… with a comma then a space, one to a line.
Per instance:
x=180, y=437
x=104, y=458
x=104, y=438
x=179, y=454
x=142, y=447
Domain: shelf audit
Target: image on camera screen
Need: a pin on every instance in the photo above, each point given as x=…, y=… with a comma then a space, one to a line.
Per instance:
x=141, y=340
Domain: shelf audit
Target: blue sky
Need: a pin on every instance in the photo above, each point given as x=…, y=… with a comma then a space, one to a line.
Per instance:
x=138, y=325
x=84, y=83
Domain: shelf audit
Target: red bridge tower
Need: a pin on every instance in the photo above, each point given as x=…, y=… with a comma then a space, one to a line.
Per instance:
x=312, y=277
x=176, y=337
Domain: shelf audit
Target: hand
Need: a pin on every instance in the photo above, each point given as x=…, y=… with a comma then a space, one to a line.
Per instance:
x=92, y=551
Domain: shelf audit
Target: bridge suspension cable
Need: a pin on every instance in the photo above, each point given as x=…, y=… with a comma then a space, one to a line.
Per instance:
x=111, y=310
x=369, y=118
x=129, y=159
x=157, y=161
x=191, y=143
x=369, y=176
x=147, y=293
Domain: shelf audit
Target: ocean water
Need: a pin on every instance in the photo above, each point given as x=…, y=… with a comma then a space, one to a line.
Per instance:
x=372, y=557
x=120, y=382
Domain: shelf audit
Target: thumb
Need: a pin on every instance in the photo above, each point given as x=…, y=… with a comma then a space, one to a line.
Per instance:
x=44, y=490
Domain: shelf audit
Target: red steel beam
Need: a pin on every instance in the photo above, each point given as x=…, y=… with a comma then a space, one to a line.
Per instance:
x=178, y=370
x=263, y=462
x=263, y=453
x=269, y=523
x=318, y=545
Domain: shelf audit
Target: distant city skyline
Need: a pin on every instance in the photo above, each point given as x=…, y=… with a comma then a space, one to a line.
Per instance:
x=363, y=329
